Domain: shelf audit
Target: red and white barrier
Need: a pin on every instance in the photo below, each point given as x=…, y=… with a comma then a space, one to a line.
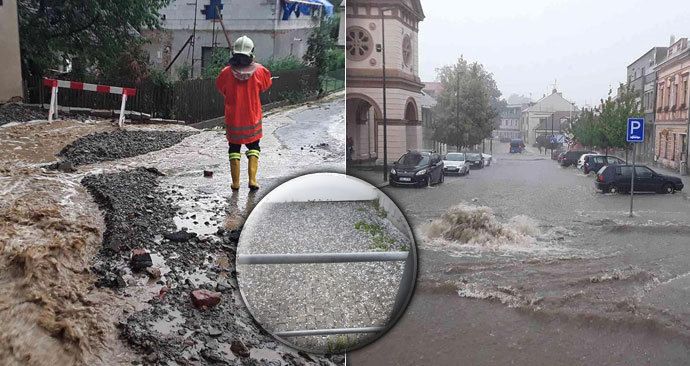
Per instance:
x=57, y=84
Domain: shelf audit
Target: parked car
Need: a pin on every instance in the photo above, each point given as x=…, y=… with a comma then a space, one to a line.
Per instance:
x=583, y=158
x=571, y=157
x=454, y=163
x=517, y=146
x=616, y=178
x=417, y=169
x=594, y=163
x=474, y=160
x=487, y=159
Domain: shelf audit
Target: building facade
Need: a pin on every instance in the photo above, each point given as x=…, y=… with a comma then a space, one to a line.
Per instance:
x=364, y=47
x=11, y=71
x=672, y=103
x=642, y=80
x=510, y=122
x=542, y=112
x=279, y=28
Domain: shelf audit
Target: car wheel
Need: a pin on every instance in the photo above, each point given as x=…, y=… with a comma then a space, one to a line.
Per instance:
x=606, y=190
x=668, y=188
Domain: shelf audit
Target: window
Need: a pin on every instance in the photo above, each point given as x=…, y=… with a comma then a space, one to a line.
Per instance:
x=642, y=172
x=685, y=92
x=626, y=171
x=359, y=43
x=673, y=151
x=407, y=51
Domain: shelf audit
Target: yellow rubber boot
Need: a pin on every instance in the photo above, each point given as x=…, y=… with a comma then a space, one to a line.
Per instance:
x=253, y=158
x=235, y=174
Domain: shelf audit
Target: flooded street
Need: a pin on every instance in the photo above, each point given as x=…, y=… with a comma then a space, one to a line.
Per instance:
x=79, y=300
x=523, y=262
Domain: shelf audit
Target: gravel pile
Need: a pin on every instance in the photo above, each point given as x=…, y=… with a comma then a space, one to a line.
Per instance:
x=107, y=146
x=15, y=112
x=138, y=214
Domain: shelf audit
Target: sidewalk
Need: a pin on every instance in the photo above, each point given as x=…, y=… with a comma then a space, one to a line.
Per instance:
x=372, y=174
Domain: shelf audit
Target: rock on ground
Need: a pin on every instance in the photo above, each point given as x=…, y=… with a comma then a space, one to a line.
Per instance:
x=172, y=330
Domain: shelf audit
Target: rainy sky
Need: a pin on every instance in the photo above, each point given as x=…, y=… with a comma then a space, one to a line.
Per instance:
x=585, y=45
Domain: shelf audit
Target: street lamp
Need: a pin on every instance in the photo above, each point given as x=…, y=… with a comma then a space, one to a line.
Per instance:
x=385, y=116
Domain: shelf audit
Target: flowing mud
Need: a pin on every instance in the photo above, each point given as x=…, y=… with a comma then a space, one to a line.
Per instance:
x=37, y=143
x=49, y=230
x=468, y=228
x=523, y=265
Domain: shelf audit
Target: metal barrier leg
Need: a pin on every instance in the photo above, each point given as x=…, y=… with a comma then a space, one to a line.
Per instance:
x=53, y=103
x=121, y=121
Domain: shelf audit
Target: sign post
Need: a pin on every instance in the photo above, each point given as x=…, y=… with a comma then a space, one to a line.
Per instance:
x=634, y=134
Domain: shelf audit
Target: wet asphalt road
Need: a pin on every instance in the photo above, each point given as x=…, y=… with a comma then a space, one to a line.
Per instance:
x=583, y=284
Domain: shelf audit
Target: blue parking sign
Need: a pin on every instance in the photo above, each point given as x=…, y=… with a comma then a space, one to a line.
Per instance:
x=635, y=130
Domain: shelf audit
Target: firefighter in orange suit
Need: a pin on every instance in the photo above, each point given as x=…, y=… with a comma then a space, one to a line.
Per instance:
x=241, y=83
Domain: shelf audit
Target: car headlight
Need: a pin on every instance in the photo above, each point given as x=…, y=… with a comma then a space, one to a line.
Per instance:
x=393, y=171
x=421, y=172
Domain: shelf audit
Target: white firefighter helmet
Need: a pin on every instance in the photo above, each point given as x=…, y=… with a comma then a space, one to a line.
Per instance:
x=243, y=45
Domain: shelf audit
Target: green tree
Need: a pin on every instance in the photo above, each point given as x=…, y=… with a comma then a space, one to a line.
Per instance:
x=319, y=43
x=614, y=116
x=95, y=33
x=467, y=108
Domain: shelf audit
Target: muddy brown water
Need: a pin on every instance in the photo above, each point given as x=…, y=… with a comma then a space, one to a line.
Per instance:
x=49, y=228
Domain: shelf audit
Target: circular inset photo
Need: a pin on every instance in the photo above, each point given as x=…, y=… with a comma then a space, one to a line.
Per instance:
x=326, y=263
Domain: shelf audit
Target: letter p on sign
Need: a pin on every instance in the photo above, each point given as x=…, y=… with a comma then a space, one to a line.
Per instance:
x=635, y=130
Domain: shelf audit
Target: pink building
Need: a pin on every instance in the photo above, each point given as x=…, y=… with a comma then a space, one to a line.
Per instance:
x=672, y=105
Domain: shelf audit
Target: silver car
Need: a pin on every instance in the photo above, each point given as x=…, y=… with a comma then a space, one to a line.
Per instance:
x=454, y=163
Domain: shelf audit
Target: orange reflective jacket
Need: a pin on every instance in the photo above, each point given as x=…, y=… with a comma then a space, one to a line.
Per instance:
x=241, y=88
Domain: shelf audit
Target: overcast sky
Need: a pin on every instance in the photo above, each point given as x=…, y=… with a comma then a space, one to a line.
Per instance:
x=585, y=45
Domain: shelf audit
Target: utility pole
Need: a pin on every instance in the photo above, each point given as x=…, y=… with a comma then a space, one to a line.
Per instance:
x=196, y=3
x=551, y=139
x=457, y=97
x=385, y=116
x=687, y=140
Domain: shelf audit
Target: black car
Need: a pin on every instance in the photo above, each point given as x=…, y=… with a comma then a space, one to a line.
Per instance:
x=594, y=163
x=416, y=168
x=571, y=157
x=517, y=146
x=616, y=178
x=474, y=160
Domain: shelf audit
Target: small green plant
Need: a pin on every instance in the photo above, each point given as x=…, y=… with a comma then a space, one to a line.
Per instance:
x=381, y=241
x=283, y=64
x=380, y=211
x=184, y=71
x=219, y=59
x=340, y=344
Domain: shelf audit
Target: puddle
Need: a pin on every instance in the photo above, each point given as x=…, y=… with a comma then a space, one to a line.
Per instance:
x=169, y=324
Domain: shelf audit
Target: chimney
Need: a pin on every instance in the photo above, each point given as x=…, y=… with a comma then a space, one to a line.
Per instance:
x=673, y=40
x=554, y=91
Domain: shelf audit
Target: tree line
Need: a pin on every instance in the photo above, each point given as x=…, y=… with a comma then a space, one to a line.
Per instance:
x=604, y=127
x=467, y=108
